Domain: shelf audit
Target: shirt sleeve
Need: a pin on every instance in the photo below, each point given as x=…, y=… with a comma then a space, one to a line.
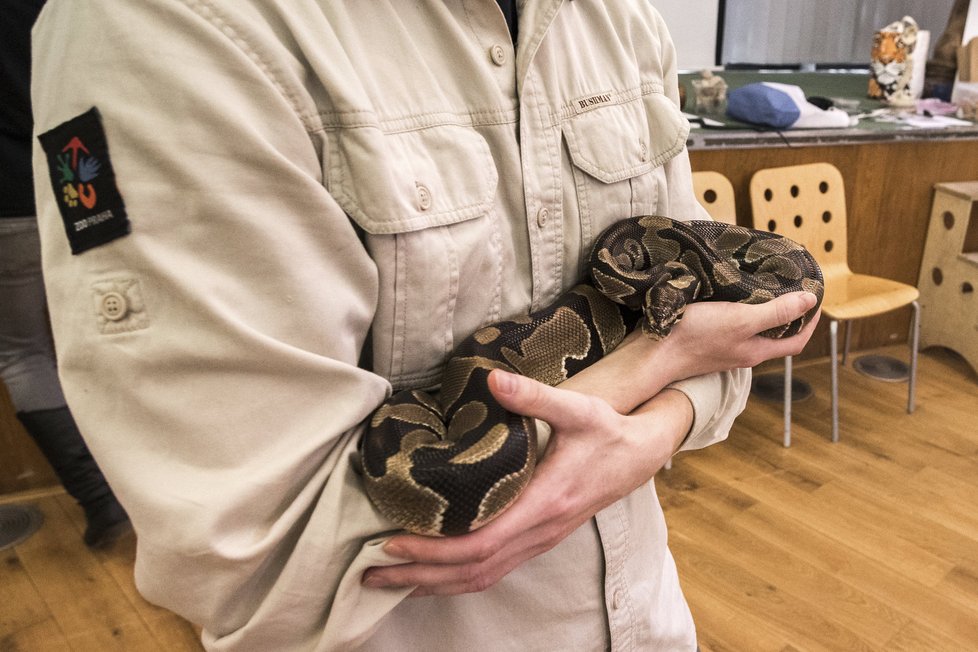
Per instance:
x=211, y=355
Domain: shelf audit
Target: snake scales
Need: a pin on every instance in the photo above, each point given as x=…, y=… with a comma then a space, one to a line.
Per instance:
x=449, y=464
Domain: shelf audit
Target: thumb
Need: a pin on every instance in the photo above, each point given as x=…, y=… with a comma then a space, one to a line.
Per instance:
x=785, y=309
x=522, y=395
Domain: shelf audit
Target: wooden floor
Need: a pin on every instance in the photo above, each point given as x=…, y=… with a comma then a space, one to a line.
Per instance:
x=868, y=544
x=56, y=594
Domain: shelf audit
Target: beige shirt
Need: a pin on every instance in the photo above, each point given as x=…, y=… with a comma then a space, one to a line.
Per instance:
x=325, y=197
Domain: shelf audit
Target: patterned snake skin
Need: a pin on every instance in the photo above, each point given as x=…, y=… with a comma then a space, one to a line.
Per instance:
x=449, y=464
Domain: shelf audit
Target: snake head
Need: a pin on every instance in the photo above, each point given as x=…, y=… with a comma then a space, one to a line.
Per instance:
x=662, y=313
x=667, y=298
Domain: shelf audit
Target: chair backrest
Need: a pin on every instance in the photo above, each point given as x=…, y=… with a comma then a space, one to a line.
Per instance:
x=716, y=194
x=806, y=203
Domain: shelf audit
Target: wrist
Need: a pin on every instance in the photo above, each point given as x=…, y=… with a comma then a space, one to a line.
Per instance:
x=631, y=374
x=674, y=416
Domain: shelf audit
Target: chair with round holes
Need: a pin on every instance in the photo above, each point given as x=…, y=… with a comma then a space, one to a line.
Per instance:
x=807, y=204
x=716, y=194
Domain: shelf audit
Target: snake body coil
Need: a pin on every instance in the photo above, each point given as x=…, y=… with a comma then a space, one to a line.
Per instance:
x=449, y=464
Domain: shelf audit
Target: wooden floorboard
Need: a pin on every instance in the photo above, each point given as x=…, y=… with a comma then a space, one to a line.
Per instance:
x=870, y=543
x=59, y=595
x=867, y=544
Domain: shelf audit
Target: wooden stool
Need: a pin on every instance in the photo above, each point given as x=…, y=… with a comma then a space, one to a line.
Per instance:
x=949, y=271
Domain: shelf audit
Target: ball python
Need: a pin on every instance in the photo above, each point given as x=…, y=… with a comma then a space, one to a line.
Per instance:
x=448, y=464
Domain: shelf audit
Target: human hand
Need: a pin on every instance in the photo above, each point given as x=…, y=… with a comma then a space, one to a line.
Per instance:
x=595, y=457
x=717, y=336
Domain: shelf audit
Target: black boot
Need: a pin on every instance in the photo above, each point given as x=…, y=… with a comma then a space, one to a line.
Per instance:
x=57, y=436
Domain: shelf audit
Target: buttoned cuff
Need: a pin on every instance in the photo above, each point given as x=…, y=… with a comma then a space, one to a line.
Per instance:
x=717, y=399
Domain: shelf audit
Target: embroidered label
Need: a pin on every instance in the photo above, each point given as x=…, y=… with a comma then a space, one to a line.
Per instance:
x=84, y=182
x=594, y=101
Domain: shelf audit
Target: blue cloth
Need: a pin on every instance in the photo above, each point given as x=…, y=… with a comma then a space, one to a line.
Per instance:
x=763, y=105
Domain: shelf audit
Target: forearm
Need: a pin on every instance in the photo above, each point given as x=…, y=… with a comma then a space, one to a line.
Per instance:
x=707, y=357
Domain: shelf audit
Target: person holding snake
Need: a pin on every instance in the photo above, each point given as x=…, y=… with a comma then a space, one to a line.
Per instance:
x=275, y=232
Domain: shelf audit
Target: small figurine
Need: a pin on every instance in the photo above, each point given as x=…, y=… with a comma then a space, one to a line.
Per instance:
x=709, y=94
x=891, y=63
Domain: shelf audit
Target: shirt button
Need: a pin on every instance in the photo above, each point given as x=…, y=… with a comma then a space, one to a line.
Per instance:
x=497, y=54
x=542, y=216
x=644, y=150
x=114, y=306
x=424, y=197
x=616, y=599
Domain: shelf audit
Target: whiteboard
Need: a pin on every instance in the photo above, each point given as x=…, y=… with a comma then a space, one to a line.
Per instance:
x=693, y=25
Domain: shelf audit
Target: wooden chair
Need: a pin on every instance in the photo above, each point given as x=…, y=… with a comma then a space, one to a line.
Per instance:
x=807, y=204
x=716, y=194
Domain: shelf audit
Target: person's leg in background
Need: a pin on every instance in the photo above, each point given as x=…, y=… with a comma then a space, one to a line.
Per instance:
x=28, y=368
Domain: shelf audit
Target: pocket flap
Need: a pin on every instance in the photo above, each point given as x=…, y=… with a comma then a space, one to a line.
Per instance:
x=411, y=180
x=615, y=142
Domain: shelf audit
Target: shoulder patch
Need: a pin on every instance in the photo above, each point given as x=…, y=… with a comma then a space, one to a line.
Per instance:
x=84, y=182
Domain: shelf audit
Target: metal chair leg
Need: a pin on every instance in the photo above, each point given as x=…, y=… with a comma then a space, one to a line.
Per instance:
x=845, y=350
x=914, y=345
x=787, y=401
x=834, y=346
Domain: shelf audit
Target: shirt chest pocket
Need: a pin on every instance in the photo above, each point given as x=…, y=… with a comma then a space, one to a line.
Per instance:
x=617, y=151
x=424, y=201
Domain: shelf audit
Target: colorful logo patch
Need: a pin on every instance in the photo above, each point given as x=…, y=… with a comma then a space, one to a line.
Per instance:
x=84, y=182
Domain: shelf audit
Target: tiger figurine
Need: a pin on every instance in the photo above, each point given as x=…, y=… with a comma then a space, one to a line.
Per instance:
x=891, y=62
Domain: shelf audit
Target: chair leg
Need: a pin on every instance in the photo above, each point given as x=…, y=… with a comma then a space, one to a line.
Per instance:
x=845, y=350
x=914, y=345
x=787, y=401
x=834, y=346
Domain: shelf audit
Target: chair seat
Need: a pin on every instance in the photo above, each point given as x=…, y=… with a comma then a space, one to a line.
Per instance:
x=852, y=296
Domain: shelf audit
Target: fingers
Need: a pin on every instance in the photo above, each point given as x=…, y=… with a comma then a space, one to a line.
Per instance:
x=784, y=309
x=473, y=547
x=445, y=566
x=560, y=408
x=441, y=579
x=767, y=348
x=540, y=497
x=800, y=339
x=475, y=561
